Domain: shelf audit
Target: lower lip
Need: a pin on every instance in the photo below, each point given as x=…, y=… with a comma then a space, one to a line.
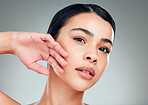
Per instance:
x=84, y=75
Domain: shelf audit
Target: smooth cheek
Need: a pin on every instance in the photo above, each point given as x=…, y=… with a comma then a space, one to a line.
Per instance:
x=69, y=75
x=101, y=66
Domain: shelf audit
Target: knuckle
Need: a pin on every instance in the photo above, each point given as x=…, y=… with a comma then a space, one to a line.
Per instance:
x=50, y=37
x=58, y=59
x=53, y=53
x=57, y=47
x=50, y=60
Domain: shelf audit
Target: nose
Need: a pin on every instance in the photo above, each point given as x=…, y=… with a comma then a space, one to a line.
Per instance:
x=91, y=57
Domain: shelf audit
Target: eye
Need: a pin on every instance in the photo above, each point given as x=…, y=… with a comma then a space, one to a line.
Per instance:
x=79, y=40
x=105, y=50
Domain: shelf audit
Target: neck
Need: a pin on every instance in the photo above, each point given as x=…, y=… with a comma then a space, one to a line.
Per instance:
x=57, y=92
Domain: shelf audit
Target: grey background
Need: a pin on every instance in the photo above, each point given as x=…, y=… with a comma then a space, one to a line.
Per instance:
x=125, y=81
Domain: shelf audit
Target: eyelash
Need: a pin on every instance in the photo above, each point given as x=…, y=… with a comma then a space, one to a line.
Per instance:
x=79, y=40
x=101, y=48
x=104, y=48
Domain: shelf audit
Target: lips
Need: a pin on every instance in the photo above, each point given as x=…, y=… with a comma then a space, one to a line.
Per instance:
x=86, y=72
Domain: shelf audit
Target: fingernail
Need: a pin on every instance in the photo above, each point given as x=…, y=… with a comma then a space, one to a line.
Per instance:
x=65, y=54
x=65, y=63
x=61, y=71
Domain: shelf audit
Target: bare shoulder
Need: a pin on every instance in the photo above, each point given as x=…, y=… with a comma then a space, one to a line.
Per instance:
x=6, y=100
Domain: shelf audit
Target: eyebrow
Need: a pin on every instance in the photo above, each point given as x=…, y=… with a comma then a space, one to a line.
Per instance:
x=107, y=40
x=84, y=30
x=91, y=34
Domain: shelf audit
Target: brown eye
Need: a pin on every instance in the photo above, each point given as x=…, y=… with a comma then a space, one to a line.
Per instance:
x=79, y=40
x=105, y=50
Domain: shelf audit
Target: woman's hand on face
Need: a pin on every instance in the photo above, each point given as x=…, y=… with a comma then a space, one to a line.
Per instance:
x=31, y=47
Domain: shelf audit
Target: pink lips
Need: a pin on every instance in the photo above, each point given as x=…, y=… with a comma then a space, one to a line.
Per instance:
x=84, y=74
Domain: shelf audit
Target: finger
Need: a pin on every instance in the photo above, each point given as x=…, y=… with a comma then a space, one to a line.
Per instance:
x=55, y=64
x=38, y=68
x=51, y=42
x=49, y=38
x=42, y=38
x=50, y=45
x=58, y=57
x=60, y=50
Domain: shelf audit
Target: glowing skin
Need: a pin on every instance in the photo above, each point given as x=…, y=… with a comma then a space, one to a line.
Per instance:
x=86, y=37
x=78, y=51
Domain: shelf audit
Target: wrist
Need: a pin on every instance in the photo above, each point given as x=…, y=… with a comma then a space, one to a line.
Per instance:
x=6, y=43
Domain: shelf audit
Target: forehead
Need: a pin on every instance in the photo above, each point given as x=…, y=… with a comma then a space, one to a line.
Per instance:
x=91, y=22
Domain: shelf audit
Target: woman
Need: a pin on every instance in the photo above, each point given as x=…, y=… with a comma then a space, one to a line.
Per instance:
x=86, y=32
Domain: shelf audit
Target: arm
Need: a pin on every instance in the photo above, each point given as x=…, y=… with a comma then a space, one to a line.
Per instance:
x=6, y=48
x=5, y=43
x=31, y=47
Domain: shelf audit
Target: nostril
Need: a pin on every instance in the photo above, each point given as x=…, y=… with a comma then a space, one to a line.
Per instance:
x=88, y=58
x=94, y=60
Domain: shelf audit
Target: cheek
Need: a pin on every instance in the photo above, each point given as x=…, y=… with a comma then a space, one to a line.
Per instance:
x=101, y=65
x=74, y=55
x=102, y=60
x=75, y=52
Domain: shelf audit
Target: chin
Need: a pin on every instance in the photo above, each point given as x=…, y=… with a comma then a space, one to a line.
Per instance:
x=80, y=84
x=72, y=79
x=81, y=88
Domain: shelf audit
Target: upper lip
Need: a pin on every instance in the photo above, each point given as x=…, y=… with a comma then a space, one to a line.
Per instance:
x=87, y=68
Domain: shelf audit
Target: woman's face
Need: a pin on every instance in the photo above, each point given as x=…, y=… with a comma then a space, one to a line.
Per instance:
x=88, y=40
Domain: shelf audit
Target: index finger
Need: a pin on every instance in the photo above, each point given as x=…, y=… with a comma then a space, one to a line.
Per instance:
x=53, y=44
x=49, y=38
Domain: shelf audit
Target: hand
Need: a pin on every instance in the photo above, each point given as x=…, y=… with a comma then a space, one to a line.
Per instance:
x=31, y=47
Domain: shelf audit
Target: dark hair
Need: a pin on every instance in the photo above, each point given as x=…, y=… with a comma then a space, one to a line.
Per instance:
x=66, y=13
